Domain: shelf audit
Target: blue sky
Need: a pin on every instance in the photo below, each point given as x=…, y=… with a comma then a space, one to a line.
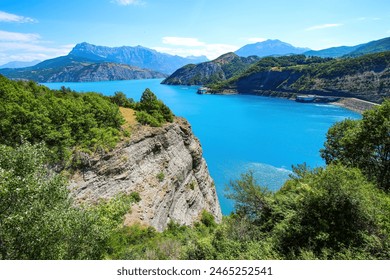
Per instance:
x=42, y=29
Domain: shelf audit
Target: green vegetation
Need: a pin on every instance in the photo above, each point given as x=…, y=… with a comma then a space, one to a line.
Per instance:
x=211, y=72
x=160, y=176
x=38, y=220
x=63, y=119
x=364, y=144
x=151, y=111
x=43, y=131
x=120, y=99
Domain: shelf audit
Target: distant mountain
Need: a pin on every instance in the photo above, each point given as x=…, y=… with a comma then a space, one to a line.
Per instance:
x=220, y=69
x=353, y=51
x=136, y=56
x=121, y=63
x=365, y=77
x=372, y=47
x=75, y=69
x=333, y=52
x=269, y=48
x=197, y=59
x=19, y=64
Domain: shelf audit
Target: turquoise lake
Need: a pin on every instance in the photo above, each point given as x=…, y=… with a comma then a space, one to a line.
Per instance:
x=241, y=132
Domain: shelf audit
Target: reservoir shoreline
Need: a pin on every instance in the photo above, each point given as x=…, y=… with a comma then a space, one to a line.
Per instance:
x=351, y=103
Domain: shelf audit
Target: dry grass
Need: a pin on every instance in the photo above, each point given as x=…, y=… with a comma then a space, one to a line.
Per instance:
x=129, y=116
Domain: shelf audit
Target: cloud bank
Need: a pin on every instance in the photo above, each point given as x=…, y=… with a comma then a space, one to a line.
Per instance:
x=7, y=17
x=127, y=2
x=187, y=46
x=323, y=26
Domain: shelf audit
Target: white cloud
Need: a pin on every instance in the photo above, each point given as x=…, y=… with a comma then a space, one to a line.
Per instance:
x=7, y=17
x=27, y=47
x=23, y=51
x=127, y=2
x=323, y=26
x=182, y=41
x=18, y=37
x=256, y=40
x=368, y=18
x=186, y=46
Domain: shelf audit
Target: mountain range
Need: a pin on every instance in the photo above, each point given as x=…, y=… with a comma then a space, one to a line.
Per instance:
x=19, y=64
x=361, y=71
x=136, y=56
x=268, y=48
x=87, y=62
x=353, y=51
x=75, y=69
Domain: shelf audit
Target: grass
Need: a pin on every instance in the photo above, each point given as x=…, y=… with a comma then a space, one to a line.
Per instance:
x=130, y=120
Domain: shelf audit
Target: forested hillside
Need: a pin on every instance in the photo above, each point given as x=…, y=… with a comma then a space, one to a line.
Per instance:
x=220, y=69
x=366, y=77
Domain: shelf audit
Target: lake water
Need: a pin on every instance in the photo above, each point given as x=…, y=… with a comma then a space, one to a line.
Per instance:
x=241, y=132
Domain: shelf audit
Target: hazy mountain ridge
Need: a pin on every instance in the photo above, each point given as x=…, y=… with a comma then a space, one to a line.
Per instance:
x=268, y=48
x=353, y=51
x=19, y=64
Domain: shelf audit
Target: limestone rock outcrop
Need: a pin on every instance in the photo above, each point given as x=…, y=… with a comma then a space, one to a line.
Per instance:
x=164, y=165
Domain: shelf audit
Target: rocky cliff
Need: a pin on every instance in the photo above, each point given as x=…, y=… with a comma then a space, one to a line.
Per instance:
x=164, y=165
x=220, y=69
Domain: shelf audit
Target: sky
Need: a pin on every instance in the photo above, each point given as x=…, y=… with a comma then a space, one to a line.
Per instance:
x=43, y=29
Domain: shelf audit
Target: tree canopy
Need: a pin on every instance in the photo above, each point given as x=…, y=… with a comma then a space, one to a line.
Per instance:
x=62, y=119
x=152, y=111
x=364, y=144
x=39, y=220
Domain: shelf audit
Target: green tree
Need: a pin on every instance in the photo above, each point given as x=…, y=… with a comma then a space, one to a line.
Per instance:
x=152, y=111
x=148, y=100
x=61, y=119
x=364, y=144
x=120, y=99
x=327, y=213
x=334, y=211
x=38, y=220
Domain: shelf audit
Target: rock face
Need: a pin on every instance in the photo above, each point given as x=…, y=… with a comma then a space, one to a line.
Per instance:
x=165, y=166
x=137, y=56
x=220, y=69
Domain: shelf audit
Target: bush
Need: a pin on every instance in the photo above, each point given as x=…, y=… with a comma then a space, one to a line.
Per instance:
x=364, y=144
x=61, y=119
x=37, y=216
x=152, y=111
